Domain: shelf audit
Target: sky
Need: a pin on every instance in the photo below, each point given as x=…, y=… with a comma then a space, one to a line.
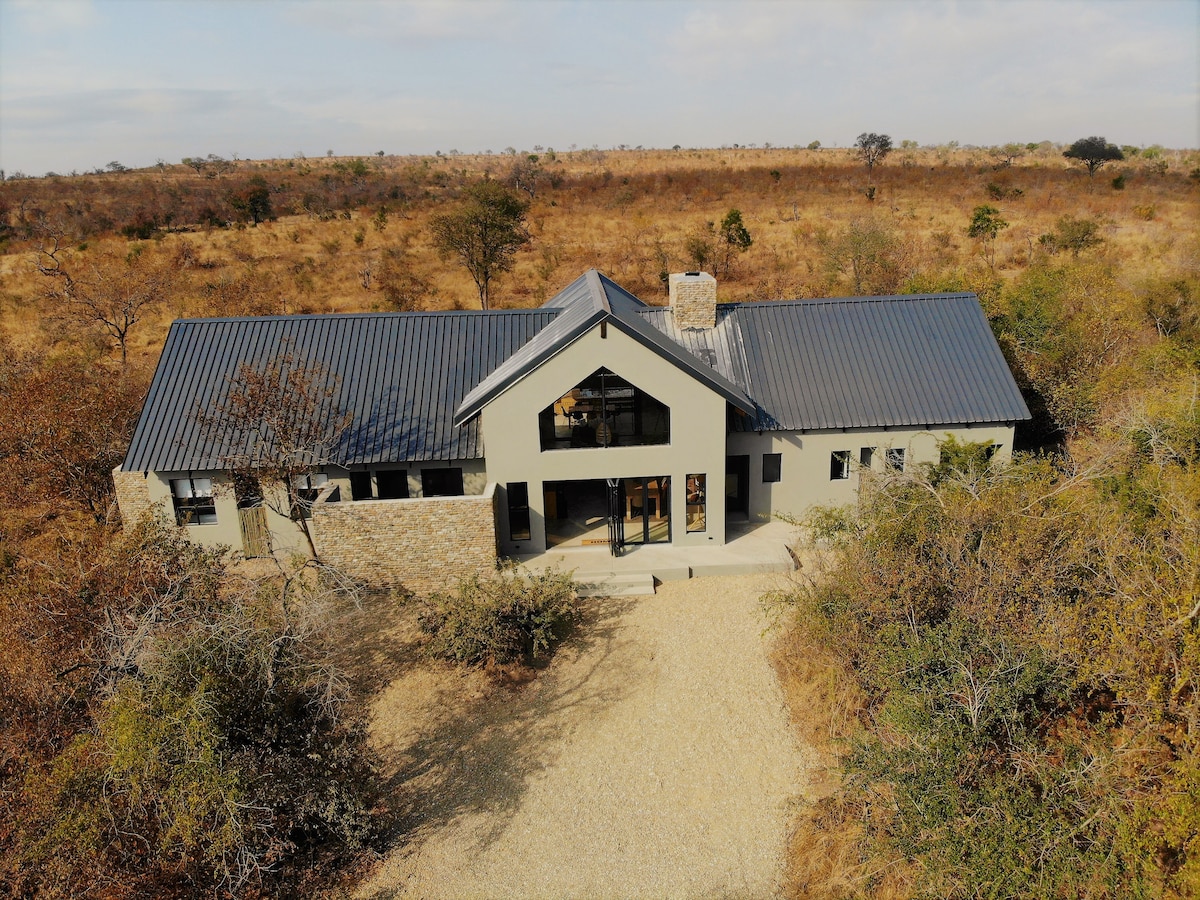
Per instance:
x=87, y=82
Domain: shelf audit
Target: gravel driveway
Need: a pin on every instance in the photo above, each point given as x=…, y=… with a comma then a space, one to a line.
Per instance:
x=652, y=758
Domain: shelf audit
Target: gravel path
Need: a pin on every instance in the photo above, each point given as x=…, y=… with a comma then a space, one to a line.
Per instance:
x=653, y=758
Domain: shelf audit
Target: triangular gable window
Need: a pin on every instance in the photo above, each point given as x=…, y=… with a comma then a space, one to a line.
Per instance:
x=604, y=410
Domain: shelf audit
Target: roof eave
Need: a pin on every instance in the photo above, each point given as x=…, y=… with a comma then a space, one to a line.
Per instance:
x=473, y=405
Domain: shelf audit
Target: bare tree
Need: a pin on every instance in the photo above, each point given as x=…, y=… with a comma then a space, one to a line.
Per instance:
x=283, y=423
x=112, y=292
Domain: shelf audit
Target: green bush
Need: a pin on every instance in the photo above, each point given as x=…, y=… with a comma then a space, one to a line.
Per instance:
x=218, y=754
x=1025, y=638
x=501, y=618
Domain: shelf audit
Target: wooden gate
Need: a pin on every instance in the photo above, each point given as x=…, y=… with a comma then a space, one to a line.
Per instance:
x=256, y=538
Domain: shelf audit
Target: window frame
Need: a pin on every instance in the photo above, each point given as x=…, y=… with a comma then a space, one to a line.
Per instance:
x=307, y=487
x=188, y=511
x=429, y=475
x=386, y=479
x=772, y=468
x=895, y=458
x=696, y=500
x=517, y=495
x=602, y=411
x=839, y=465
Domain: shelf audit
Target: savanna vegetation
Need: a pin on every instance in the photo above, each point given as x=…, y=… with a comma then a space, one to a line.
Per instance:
x=1006, y=657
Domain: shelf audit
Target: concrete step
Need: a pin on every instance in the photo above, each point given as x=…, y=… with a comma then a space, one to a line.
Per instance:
x=608, y=584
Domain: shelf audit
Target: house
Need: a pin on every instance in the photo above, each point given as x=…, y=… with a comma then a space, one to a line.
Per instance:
x=593, y=421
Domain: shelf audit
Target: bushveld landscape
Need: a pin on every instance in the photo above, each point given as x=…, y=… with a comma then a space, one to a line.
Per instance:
x=1000, y=668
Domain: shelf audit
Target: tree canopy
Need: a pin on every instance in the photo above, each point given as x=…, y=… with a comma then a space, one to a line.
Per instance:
x=1093, y=152
x=485, y=233
x=871, y=148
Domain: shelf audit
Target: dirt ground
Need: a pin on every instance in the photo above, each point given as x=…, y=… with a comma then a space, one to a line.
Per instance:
x=652, y=758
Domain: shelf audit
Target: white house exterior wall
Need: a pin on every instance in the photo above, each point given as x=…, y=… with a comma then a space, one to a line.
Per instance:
x=697, y=439
x=805, y=461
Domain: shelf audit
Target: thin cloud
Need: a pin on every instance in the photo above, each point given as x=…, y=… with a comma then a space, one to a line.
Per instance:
x=136, y=81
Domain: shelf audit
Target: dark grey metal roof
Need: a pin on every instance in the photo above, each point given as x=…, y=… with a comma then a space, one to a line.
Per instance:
x=861, y=362
x=414, y=382
x=584, y=303
x=400, y=376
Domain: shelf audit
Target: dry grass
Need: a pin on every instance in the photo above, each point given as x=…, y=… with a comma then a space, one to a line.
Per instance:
x=628, y=214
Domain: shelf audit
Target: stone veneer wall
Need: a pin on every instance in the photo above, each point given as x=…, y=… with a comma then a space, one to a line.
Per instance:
x=693, y=298
x=422, y=544
x=133, y=495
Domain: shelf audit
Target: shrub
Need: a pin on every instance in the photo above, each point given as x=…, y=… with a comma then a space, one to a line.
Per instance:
x=1072, y=234
x=218, y=755
x=1024, y=641
x=501, y=618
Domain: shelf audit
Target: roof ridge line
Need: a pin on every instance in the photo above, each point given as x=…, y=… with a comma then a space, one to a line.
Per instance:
x=375, y=314
x=596, y=287
x=874, y=298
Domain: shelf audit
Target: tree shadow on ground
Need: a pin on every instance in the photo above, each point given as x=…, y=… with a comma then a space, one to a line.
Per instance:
x=379, y=641
x=478, y=754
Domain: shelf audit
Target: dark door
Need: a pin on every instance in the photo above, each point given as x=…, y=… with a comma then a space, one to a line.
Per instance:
x=616, y=516
x=737, y=486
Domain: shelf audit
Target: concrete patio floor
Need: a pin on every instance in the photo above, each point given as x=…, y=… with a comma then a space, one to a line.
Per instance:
x=752, y=547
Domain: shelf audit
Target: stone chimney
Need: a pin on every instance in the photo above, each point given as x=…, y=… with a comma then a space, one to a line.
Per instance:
x=693, y=297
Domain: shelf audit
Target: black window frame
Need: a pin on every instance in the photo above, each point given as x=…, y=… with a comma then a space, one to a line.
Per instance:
x=392, y=484
x=307, y=488
x=517, y=493
x=839, y=465
x=605, y=410
x=430, y=479
x=195, y=508
x=360, y=486
x=696, y=503
x=772, y=468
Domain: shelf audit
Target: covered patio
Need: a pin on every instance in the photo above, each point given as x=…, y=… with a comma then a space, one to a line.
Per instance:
x=751, y=547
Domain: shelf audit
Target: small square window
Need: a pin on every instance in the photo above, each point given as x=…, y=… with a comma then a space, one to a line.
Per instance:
x=193, y=501
x=392, y=484
x=772, y=468
x=442, y=482
x=308, y=487
x=894, y=456
x=866, y=457
x=839, y=465
x=360, y=485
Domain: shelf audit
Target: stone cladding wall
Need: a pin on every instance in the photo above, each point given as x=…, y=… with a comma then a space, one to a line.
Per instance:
x=693, y=298
x=422, y=544
x=133, y=495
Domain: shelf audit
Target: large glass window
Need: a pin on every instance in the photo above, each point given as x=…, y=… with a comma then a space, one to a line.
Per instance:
x=646, y=510
x=604, y=410
x=193, y=501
